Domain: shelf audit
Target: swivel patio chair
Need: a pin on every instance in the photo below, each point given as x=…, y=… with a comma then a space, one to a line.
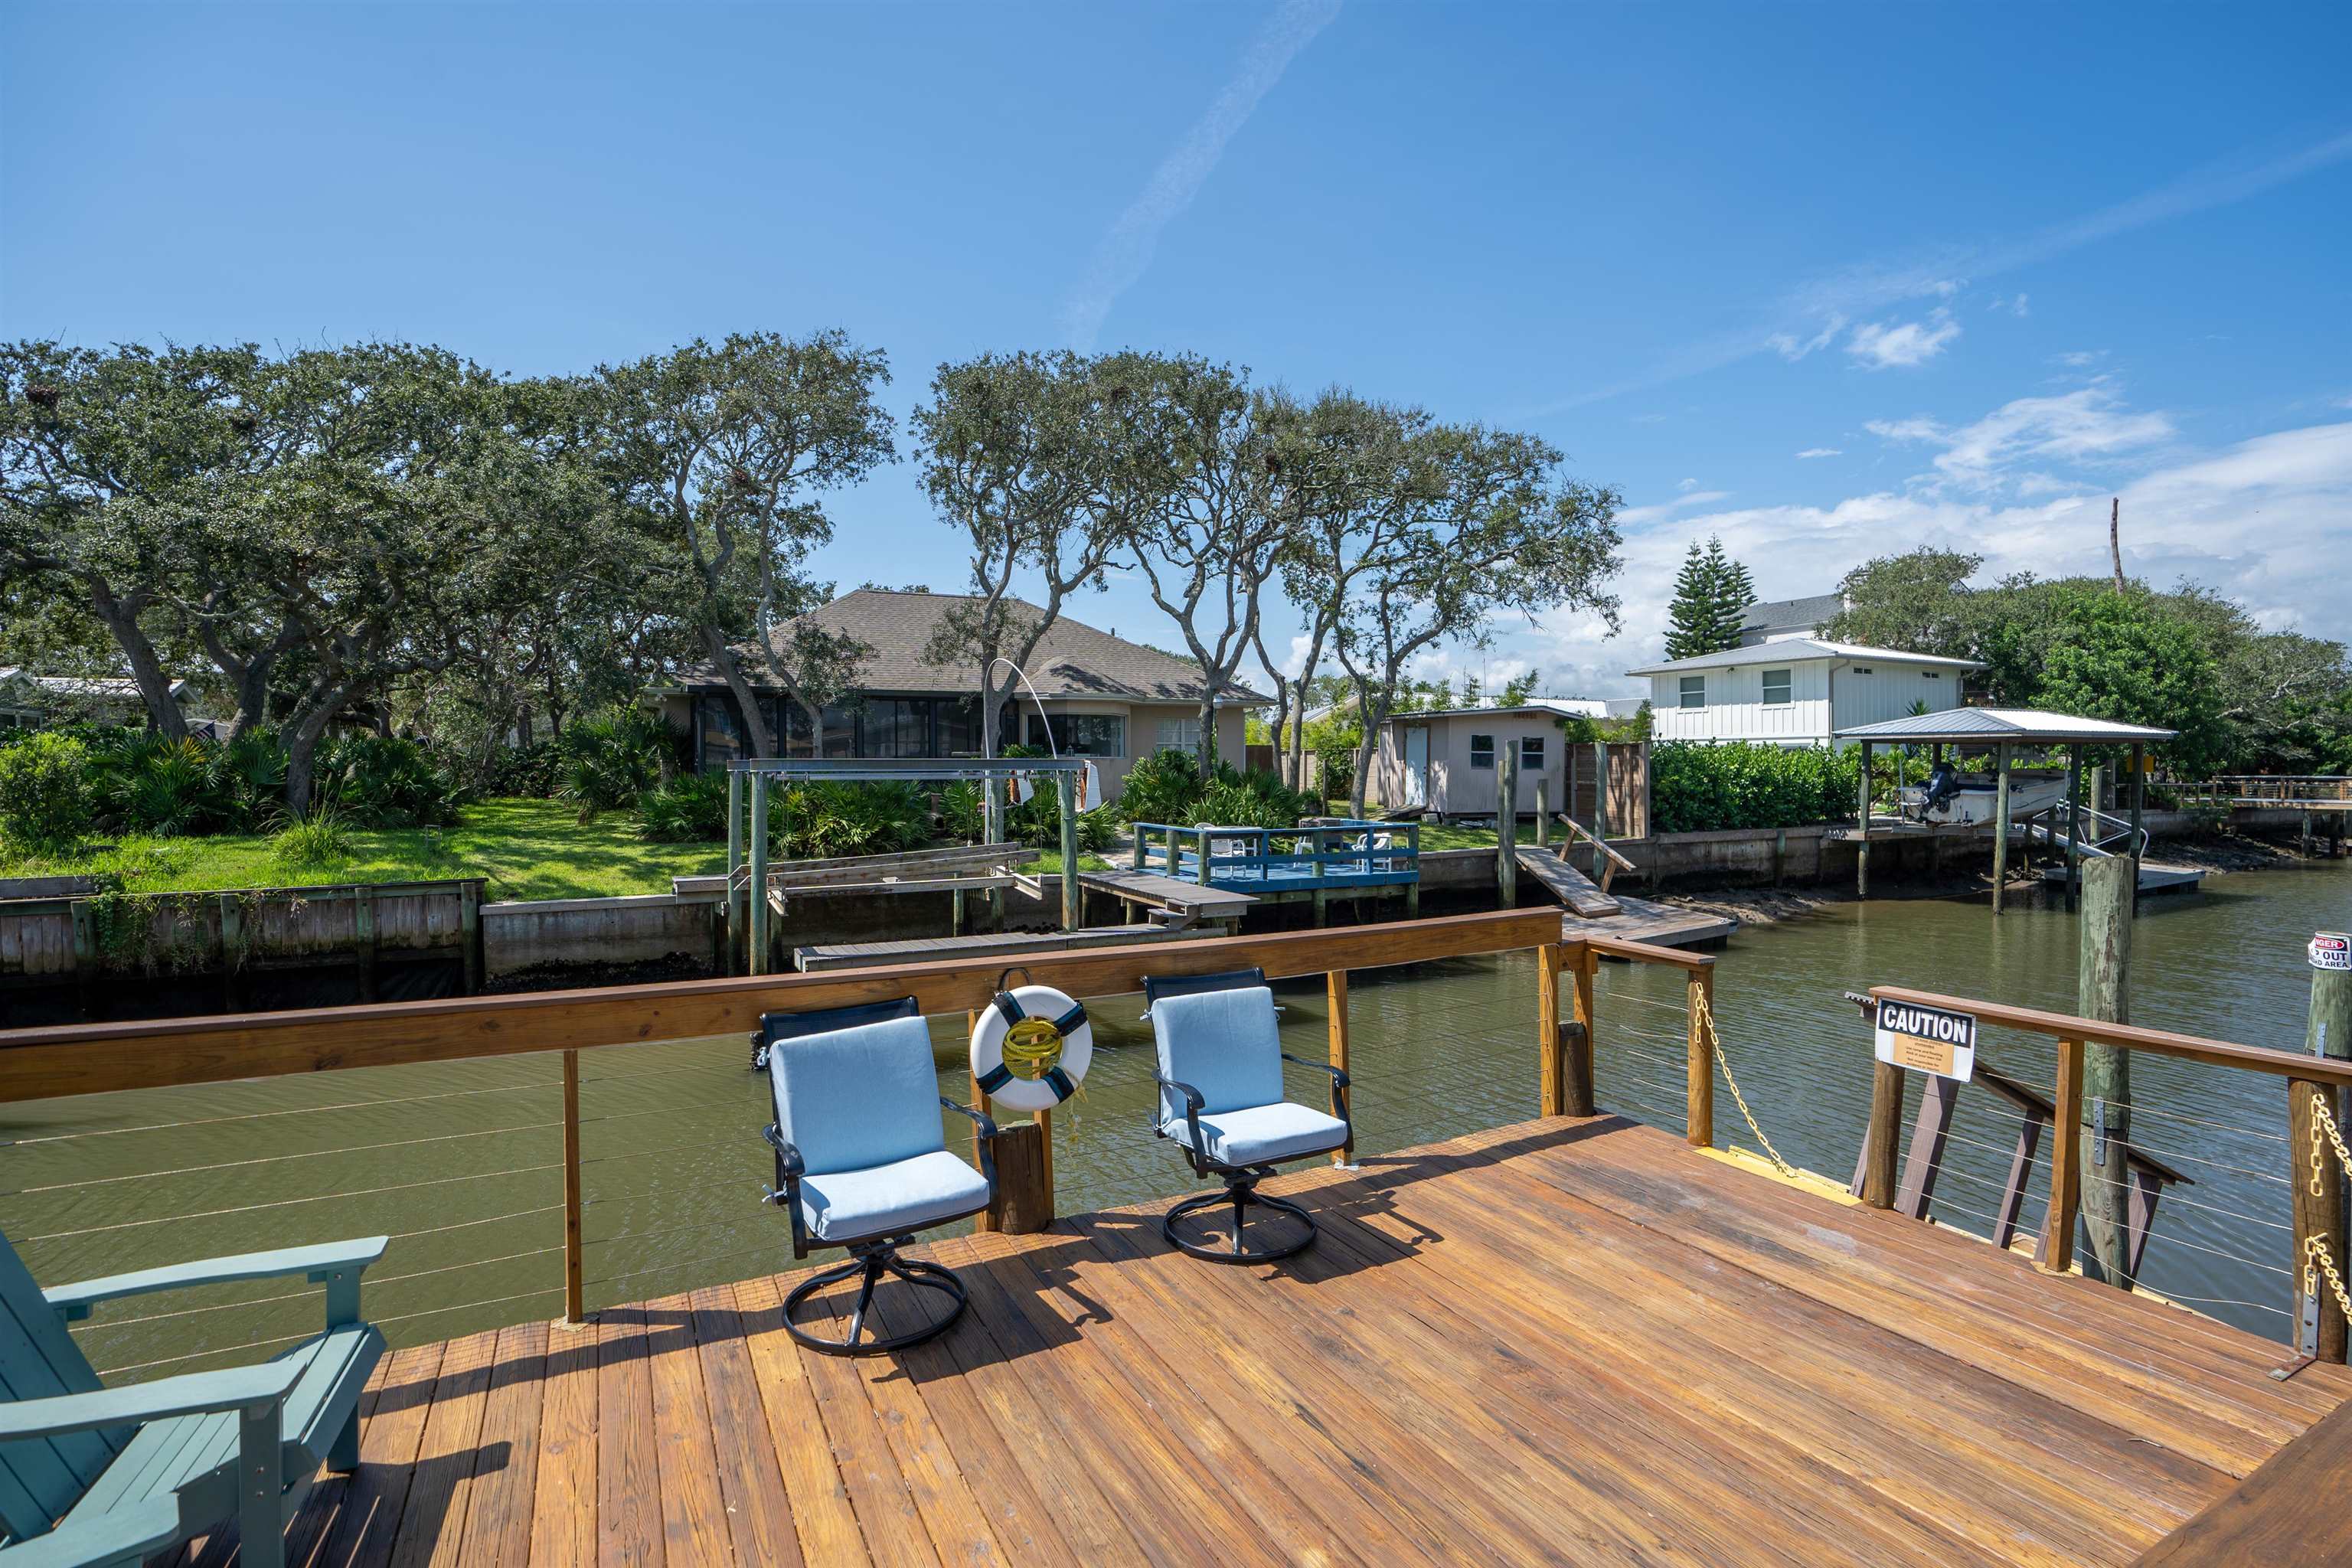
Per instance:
x=1221, y=1099
x=93, y=1476
x=862, y=1161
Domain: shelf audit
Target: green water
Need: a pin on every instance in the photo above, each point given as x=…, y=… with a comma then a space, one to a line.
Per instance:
x=461, y=1164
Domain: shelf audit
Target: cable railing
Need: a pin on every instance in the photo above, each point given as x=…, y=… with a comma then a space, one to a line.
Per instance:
x=571, y=1166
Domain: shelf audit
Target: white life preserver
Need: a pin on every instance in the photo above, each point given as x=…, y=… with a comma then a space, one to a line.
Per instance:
x=1052, y=1044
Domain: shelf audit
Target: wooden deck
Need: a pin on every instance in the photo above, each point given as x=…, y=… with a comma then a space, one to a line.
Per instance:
x=1643, y=920
x=1563, y=1341
x=1190, y=899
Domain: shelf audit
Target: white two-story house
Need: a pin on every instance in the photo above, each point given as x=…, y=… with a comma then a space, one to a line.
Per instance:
x=1796, y=691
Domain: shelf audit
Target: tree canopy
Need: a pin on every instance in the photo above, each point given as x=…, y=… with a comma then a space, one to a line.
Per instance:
x=1712, y=593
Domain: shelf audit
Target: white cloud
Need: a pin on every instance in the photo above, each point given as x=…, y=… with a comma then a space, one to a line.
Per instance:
x=1126, y=251
x=1822, y=452
x=1887, y=346
x=2015, y=305
x=1635, y=516
x=1687, y=485
x=2087, y=424
x=1790, y=347
x=2082, y=357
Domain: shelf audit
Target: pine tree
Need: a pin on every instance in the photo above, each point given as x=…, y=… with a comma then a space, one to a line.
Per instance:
x=1690, y=620
x=1734, y=591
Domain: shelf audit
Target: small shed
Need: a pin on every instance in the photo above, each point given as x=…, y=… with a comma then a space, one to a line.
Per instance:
x=1443, y=759
x=2005, y=731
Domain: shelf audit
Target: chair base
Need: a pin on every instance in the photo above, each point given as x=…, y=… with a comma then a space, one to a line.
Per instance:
x=873, y=1259
x=1241, y=1191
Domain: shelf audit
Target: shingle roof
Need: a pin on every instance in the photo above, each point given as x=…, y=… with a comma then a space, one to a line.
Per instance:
x=2030, y=724
x=1074, y=660
x=1789, y=648
x=1811, y=611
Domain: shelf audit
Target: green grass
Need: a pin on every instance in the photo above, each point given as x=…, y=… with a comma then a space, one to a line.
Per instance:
x=1048, y=863
x=1452, y=835
x=527, y=848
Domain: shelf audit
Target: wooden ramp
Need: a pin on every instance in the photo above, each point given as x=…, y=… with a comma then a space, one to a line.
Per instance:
x=1189, y=900
x=1574, y=890
x=869, y=954
x=1565, y=1342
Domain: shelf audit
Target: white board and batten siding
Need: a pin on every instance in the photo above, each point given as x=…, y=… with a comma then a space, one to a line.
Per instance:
x=1735, y=709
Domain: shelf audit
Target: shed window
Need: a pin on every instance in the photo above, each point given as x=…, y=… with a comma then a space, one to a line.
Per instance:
x=1694, y=691
x=1776, y=689
x=1482, y=751
x=1532, y=754
x=1933, y=674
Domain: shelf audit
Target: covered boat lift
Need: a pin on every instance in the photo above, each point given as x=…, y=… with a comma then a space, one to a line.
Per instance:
x=2007, y=730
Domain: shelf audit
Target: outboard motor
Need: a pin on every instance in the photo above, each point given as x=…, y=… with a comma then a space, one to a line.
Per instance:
x=1943, y=785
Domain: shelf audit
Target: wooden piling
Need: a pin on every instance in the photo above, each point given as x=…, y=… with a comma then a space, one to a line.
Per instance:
x=1506, y=824
x=2103, y=991
x=1884, y=1133
x=1862, y=830
x=1543, y=813
x=735, y=904
x=1576, y=1090
x=1551, y=1075
x=755, y=959
x=2074, y=828
x=1699, y=1072
x=2000, y=826
x=1066, y=795
x=2327, y=1032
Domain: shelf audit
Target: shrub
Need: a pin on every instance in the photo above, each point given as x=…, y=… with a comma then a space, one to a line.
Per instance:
x=527, y=772
x=317, y=841
x=820, y=821
x=1161, y=787
x=44, y=791
x=382, y=781
x=1702, y=788
x=609, y=762
x=690, y=809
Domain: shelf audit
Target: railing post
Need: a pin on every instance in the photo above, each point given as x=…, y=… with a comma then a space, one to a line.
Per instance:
x=1202, y=872
x=2065, y=1163
x=755, y=957
x=1335, y=993
x=2318, y=1188
x=573, y=1312
x=2103, y=991
x=1551, y=1089
x=1576, y=1100
x=1883, y=1131
x=1700, y=1113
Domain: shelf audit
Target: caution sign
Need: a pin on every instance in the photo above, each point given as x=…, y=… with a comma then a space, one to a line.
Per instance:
x=1927, y=1039
x=2331, y=950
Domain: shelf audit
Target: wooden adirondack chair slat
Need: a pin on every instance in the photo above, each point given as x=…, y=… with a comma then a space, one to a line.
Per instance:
x=39, y=1359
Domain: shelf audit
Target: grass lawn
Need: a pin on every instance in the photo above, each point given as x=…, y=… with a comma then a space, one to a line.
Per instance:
x=1452, y=836
x=528, y=849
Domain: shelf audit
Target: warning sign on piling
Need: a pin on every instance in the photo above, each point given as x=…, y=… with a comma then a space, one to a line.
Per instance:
x=2331, y=950
x=1927, y=1039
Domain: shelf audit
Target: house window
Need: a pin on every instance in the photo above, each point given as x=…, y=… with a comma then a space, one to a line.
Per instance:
x=1178, y=735
x=1776, y=689
x=1694, y=691
x=898, y=727
x=1863, y=670
x=1933, y=674
x=1482, y=751
x=1531, y=750
x=719, y=736
x=958, y=727
x=1085, y=734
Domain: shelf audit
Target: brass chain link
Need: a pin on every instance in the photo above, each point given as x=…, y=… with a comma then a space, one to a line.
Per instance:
x=2315, y=1261
x=1706, y=1018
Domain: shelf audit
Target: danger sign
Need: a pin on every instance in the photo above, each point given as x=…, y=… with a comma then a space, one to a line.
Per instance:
x=2331, y=950
x=1927, y=1039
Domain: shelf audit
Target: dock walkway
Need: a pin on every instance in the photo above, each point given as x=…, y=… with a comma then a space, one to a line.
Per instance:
x=1560, y=1341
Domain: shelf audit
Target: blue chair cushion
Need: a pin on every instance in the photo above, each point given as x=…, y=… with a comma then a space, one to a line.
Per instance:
x=907, y=1195
x=1262, y=1134
x=1227, y=1044
x=854, y=1099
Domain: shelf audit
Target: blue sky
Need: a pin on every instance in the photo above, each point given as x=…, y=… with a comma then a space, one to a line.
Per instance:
x=1832, y=280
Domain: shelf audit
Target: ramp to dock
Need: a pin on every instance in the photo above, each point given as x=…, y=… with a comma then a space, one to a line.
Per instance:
x=1692, y=1363
x=871, y=954
x=1574, y=890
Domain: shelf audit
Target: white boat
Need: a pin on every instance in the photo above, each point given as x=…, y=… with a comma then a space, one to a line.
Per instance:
x=1978, y=799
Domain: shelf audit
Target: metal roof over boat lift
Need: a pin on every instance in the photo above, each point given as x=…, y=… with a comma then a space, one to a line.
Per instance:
x=2030, y=726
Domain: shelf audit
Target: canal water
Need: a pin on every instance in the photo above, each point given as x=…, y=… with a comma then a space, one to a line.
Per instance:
x=462, y=1163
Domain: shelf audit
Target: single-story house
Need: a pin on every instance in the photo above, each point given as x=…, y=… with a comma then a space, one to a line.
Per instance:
x=1444, y=758
x=1771, y=620
x=1796, y=691
x=1103, y=697
x=28, y=700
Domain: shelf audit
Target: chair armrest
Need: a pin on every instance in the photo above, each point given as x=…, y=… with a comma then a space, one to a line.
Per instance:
x=1194, y=1100
x=986, y=1122
x=118, y=1535
x=786, y=1193
x=190, y=1393
x=318, y=1262
x=1338, y=1075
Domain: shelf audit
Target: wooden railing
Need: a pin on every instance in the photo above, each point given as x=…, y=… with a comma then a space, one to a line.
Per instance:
x=1336, y=855
x=98, y=1058
x=2311, y=1081
x=1606, y=861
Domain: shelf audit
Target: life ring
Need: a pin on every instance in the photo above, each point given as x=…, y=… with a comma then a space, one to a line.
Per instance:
x=1030, y=1047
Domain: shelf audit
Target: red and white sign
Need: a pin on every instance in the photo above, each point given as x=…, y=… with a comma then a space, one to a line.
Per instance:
x=2331, y=950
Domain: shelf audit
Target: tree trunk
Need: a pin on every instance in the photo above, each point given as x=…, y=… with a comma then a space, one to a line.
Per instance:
x=302, y=739
x=991, y=812
x=121, y=617
x=730, y=669
x=1375, y=714
x=1207, y=749
x=1281, y=730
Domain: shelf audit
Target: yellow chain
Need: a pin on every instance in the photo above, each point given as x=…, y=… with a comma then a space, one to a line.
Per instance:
x=2324, y=1132
x=1715, y=1042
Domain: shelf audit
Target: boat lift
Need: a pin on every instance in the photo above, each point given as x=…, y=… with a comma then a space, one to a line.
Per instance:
x=748, y=780
x=2008, y=730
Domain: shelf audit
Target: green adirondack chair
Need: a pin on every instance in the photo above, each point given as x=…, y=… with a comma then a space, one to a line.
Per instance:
x=93, y=1476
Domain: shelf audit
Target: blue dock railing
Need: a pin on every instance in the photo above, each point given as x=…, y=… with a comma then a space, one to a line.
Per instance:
x=1344, y=854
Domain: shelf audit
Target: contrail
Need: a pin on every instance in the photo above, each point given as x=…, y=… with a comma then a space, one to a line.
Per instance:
x=1126, y=251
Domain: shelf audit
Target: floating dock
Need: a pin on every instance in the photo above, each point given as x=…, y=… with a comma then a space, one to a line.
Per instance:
x=1566, y=1341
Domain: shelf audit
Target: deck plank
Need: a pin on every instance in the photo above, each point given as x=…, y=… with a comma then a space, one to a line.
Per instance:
x=1566, y=1342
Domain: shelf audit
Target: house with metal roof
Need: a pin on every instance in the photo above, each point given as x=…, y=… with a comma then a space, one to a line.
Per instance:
x=1091, y=692
x=28, y=700
x=1796, y=691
